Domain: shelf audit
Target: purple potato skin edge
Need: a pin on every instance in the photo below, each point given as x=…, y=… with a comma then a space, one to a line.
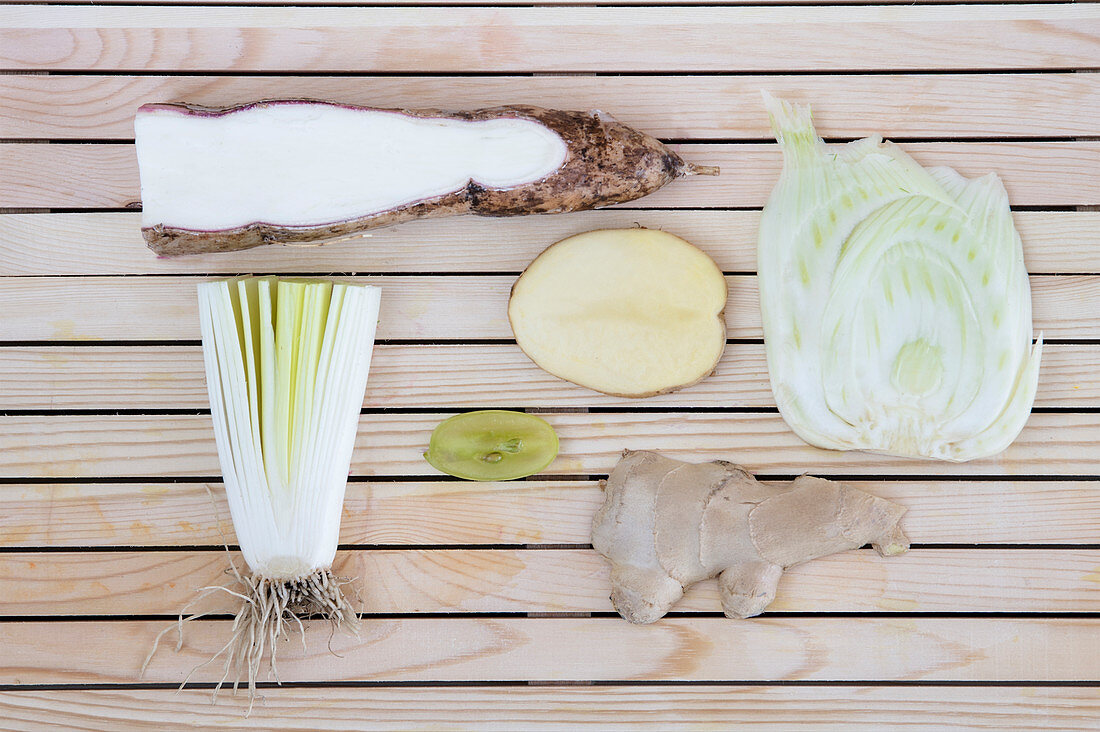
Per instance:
x=606, y=163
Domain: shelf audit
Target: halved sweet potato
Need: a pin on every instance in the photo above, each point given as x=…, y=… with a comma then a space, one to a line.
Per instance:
x=295, y=171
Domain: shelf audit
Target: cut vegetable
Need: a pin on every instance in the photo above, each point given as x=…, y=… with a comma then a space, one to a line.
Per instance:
x=286, y=368
x=492, y=445
x=895, y=303
x=293, y=171
x=666, y=524
x=628, y=312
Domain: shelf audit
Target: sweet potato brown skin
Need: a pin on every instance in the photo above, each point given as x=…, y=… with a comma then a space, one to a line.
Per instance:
x=606, y=163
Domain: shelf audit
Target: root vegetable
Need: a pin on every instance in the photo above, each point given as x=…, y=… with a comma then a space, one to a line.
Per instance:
x=217, y=180
x=666, y=524
x=628, y=312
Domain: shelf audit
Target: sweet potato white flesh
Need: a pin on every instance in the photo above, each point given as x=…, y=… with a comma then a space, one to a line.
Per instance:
x=321, y=171
x=307, y=164
x=628, y=312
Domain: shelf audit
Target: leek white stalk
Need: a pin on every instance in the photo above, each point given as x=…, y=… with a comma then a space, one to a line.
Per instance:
x=286, y=366
x=895, y=303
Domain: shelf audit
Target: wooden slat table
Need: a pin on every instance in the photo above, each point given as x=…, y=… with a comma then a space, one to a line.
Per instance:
x=484, y=606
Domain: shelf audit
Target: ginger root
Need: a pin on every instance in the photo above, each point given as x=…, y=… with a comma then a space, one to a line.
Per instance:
x=667, y=524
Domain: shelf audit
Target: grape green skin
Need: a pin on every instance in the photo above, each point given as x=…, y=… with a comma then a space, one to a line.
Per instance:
x=525, y=444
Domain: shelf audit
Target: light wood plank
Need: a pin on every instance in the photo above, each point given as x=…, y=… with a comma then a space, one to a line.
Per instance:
x=567, y=3
x=431, y=17
x=165, y=307
x=851, y=708
x=1055, y=242
x=553, y=581
x=678, y=107
x=505, y=649
x=520, y=512
x=549, y=39
x=431, y=376
x=105, y=446
x=44, y=309
x=69, y=175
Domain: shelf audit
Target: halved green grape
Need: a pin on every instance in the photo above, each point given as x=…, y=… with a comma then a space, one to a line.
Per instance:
x=492, y=445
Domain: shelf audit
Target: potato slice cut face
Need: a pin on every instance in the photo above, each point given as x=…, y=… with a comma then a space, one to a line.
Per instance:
x=628, y=312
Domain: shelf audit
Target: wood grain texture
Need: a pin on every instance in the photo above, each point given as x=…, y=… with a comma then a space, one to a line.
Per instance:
x=43, y=309
x=397, y=527
x=1055, y=242
x=555, y=581
x=679, y=107
x=567, y=3
x=69, y=175
x=431, y=376
x=106, y=446
x=549, y=39
x=533, y=512
x=604, y=649
x=685, y=708
x=166, y=308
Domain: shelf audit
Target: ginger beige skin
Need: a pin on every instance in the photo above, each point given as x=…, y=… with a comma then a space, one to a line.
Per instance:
x=667, y=524
x=606, y=163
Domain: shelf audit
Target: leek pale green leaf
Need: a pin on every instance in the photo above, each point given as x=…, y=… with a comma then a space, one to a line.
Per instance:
x=896, y=306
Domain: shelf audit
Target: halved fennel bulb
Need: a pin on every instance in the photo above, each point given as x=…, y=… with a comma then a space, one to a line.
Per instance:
x=896, y=306
x=286, y=367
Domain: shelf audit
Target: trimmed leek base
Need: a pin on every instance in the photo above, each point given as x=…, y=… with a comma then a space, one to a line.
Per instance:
x=286, y=368
x=271, y=607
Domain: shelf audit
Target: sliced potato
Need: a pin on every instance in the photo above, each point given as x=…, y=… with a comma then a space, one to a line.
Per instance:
x=628, y=312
